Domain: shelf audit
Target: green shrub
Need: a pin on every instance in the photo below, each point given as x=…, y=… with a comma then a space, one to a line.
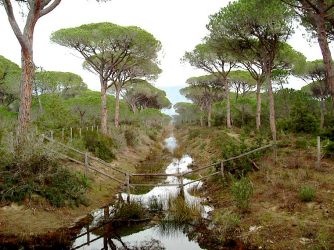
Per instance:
x=284, y=124
x=32, y=170
x=306, y=193
x=182, y=212
x=100, y=145
x=329, y=149
x=242, y=191
x=304, y=123
x=302, y=143
x=328, y=133
x=230, y=147
x=131, y=137
x=130, y=211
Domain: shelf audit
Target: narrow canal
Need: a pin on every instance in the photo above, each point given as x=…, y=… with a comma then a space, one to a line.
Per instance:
x=146, y=235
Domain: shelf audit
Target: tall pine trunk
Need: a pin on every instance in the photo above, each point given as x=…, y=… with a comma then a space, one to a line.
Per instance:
x=272, y=118
x=228, y=104
x=326, y=53
x=36, y=9
x=27, y=77
x=117, y=106
x=209, y=114
x=258, y=105
x=104, y=109
x=201, y=116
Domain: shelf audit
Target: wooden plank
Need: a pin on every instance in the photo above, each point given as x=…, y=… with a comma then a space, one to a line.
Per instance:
x=87, y=243
x=69, y=158
x=109, y=176
x=230, y=159
x=154, y=185
x=108, y=165
x=248, y=153
x=157, y=174
x=61, y=144
x=204, y=177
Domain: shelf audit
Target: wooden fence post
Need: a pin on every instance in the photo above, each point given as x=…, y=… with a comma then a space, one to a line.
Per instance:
x=128, y=187
x=318, y=152
x=51, y=134
x=222, y=170
x=86, y=163
x=71, y=134
x=92, y=128
x=80, y=132
x=88, y=236
x=106, y=213
x=181, y=185
x=97, y=129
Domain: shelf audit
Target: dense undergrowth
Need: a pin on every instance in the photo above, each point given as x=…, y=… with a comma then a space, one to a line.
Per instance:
x=31, y=171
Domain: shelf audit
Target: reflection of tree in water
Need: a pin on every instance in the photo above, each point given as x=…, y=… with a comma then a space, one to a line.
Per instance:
x=144, y=245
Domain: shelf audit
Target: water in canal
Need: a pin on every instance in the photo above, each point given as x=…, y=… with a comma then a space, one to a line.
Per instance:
x=150, y=236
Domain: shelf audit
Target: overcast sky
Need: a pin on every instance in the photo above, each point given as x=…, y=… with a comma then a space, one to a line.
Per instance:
x=178, y=24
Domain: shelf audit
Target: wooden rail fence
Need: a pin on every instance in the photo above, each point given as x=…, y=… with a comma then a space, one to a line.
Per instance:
x=125, y=178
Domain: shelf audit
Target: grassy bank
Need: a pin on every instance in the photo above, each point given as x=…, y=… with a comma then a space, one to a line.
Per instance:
x=290, y=203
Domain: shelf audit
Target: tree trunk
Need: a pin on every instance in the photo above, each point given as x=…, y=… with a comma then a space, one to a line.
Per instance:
x=322, y=113
x=117, y=107
x=201, y=117
x=326, y=53
x=271, y=104
x=37, y=9
x=81, y=114
x=258, y=105
x=209, y=115
x=28, y=71
x=104, y=110
x=228, y=105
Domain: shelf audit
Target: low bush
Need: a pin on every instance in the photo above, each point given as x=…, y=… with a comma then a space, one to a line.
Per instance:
x=329, y=149
x=182, y=212
x=130, y=211
x=32, y=170
x=100, y=145
x=302, y=143
x=328, y=133
x=242, y=191
x=131, y=136
x=306, y=193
